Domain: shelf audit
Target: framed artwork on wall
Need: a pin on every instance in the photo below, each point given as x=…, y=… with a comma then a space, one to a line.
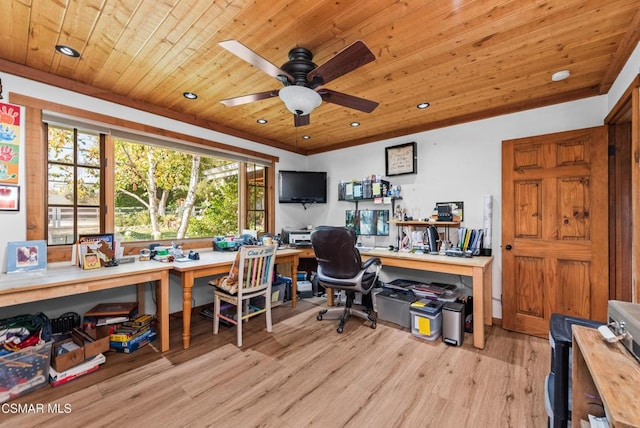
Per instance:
x=9, y=197
x=25, y=256
x=401, y=159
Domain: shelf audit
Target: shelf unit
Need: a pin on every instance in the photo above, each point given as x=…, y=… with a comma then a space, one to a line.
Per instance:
x=411, y=224
x=393, y=202
x=422, y=223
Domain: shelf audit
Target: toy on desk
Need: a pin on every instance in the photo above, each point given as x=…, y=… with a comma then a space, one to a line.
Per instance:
x=221, y=243
x=193, y=255
x=145, y=255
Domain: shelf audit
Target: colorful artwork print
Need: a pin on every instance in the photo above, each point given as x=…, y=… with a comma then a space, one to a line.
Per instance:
x=9, y=142
x=100, y=245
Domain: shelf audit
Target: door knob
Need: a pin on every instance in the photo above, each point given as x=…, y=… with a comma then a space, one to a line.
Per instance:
x=508, y=247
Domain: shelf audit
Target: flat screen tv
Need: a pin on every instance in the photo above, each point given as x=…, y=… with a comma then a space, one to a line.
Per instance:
x=368, y=222
x=302, y=187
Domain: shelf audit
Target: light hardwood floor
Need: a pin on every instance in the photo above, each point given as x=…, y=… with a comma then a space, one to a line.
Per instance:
x=305, y=374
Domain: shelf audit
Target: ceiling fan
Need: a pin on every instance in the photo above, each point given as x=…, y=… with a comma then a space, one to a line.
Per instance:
x=303, y=80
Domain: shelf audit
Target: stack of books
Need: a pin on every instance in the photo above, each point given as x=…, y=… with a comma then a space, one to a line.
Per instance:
x=109, y=314
x=132, y=335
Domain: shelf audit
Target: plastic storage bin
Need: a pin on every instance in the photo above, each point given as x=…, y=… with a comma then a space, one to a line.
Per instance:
x=426, y=319
x=24, y=371
x=394, y=307
x=277, y=296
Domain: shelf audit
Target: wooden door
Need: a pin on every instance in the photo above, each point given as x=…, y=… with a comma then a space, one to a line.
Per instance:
x=554, y=229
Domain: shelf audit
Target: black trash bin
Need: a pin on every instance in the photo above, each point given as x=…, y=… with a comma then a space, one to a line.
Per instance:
x=558, y=382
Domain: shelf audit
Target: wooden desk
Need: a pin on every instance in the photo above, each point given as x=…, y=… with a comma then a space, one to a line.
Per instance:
x=607, y=370
x=478, y=268
x=219, y=263
x=60, y=281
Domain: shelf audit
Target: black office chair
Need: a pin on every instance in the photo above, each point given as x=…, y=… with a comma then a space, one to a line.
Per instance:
x=340, y=267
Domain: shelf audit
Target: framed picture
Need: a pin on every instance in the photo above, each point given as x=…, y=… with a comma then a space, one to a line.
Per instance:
x=101, y=245
x=9, y=197
x=90, y=261
x=401, y=159
x=25, y=256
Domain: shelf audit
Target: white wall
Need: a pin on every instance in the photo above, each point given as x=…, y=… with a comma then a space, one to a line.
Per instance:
x=457, y=163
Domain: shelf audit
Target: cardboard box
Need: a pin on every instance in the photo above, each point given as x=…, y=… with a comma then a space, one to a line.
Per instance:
x=24, y=371
x=87, y=347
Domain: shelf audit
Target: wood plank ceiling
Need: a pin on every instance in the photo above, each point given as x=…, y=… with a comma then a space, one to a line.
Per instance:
x=468, y=59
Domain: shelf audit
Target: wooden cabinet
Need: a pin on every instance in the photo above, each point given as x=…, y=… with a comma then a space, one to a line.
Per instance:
x=606, y=379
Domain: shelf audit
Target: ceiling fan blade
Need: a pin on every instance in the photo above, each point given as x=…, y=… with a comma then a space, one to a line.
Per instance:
x=353, y=56
x=244, y=99
x=346, y=100
x=301, y=120
x=243, y=52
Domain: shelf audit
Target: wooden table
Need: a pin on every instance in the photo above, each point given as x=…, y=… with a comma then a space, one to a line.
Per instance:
x=606, y=370
x=219, y=263
x=478, y=268
x=60, y=281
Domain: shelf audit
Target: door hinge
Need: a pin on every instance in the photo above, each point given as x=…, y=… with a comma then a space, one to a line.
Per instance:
x=612, y=150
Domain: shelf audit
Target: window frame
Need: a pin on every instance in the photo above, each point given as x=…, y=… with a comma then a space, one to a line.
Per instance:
x=36, y=171
x=75, y=205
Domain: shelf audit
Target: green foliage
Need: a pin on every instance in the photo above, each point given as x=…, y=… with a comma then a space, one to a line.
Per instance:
x=216, y=205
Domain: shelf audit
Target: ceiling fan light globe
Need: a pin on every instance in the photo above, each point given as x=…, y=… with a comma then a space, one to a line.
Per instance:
x=299, y=100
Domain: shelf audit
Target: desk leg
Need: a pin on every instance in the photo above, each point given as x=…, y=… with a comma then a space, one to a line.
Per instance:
x=162, y=311
x=329, y=293
x=187, y=287
x=482, y=304
x=294, y=280
x=141, y=297
x=488, y=295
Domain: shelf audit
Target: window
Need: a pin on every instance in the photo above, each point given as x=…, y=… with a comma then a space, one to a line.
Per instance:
x=160, y=193
x=256, y=198
x=163, y=193
x=74, y=184
x=88, y=131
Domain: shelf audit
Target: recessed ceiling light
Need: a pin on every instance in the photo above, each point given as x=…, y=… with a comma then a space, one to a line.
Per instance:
x=189, y=95
x=354, y=124
x=306, y=137
x=423, y=105
x=68, y=51
x=261, y=121
x=560, y=75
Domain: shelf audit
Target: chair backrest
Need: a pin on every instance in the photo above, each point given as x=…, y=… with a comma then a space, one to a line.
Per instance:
x=255, y=271
x=336, y=252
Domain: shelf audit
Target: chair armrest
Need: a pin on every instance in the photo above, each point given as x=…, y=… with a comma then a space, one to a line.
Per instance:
x=371, y=261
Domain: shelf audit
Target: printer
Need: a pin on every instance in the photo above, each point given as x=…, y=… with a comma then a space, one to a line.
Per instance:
x=624, y=321
x=300, y=238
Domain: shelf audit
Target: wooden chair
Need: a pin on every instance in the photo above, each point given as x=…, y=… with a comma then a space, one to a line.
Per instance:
x=251, y=276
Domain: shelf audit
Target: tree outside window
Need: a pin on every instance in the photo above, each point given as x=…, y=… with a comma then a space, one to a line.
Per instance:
x=172, y=194
x=160, y=193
